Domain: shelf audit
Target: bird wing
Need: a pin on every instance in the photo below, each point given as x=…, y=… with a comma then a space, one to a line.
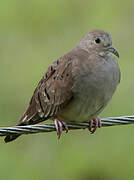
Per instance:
x=52, y=93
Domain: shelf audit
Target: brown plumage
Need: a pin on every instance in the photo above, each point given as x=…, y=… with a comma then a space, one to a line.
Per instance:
x=52, y=93
x=61, y=87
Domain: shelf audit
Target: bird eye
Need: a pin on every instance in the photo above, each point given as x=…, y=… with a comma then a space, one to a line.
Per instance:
x=97, y=40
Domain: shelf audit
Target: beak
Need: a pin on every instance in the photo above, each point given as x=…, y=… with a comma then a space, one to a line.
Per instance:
x=113, y=50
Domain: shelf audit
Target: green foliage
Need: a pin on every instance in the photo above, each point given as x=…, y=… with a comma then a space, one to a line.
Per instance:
x=32, y=35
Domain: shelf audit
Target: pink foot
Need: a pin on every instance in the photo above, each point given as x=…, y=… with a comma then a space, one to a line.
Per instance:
x=60, y=125
x=94, y=124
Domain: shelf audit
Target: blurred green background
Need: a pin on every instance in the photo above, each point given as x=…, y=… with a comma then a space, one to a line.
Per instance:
x=33, y=34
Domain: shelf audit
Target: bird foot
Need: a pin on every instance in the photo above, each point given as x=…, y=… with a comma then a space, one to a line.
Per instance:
x=94, y=124
x=60, y=125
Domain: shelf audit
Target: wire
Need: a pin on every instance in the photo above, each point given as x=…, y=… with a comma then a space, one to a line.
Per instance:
x=30, y=129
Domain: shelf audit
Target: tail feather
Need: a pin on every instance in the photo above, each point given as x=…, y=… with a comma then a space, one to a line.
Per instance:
x=29, y=121
x=30, y=117
x=25, y=120
x=10, y=138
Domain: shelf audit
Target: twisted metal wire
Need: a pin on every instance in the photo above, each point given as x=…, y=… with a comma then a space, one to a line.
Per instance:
x=30, y=129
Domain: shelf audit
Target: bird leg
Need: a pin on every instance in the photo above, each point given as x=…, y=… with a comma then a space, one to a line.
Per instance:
x=94, y=124
x=60, y=125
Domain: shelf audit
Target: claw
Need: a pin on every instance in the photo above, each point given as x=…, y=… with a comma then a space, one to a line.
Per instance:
x=59, y=125
x=65, y=126
x=94, y=124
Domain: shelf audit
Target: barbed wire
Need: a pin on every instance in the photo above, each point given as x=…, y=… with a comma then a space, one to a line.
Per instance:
x=30, y=129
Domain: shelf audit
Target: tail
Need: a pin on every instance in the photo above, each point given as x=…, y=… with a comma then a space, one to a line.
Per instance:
x=30, y=121
x=10, y=138
x=25, y=120
x=30, y=117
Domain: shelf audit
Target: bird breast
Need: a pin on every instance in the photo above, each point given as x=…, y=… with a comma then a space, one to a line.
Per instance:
x=94, y=85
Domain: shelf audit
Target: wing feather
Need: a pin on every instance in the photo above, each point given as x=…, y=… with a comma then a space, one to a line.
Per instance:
x=52, y=93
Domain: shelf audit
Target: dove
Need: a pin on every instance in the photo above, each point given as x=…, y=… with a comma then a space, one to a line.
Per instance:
x=77, y=86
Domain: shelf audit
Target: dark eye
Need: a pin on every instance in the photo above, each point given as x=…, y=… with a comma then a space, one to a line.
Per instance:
x=97, y=40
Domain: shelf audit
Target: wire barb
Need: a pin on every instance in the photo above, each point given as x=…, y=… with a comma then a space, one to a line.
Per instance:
x=30, y=129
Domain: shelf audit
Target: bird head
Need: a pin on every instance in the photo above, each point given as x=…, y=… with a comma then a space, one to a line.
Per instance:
x=98, y=41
